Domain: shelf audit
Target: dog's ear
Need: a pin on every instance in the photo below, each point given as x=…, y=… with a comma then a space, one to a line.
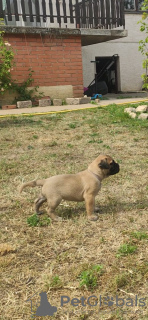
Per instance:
x=104, y=164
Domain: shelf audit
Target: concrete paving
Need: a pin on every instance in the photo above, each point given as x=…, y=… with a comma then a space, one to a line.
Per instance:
x=66, y=108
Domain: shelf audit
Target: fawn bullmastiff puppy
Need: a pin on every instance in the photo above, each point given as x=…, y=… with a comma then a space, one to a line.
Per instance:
x=82, y=186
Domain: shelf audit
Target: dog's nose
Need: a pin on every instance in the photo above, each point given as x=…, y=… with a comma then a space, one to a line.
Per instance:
x=118, y=168
x=114, y=169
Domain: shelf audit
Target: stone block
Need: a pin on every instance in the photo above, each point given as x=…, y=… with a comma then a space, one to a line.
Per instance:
x=128, y=110
x=132, y=115
x=24, y=104
x=57, y=102
x=143, y=108
x=143, y=116
x=85, y=100
x=44, y=102
x=36, y=100
x=73, y=101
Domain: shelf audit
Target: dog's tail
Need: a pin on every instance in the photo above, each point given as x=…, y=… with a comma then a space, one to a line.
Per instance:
x=32, y=183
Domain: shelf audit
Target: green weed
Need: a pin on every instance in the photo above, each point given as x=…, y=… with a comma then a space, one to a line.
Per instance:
x=140, y=235
x=94, y=102
x=72, y=125
x=69, y=145
x=106, y=146
x=126, y=249
x=30, y=147
x=34, y=221
x=123, y=97
x=93, y=134
x=55, y=282
x=35, y=136
x=92, y=141
x=64, y=103
x=88, y=278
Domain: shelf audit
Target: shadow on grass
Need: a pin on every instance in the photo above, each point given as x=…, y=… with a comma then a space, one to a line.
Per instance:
x=123, y=206
x=67, y=213
x=19, y=121
x=29, y=120
x=70, y=212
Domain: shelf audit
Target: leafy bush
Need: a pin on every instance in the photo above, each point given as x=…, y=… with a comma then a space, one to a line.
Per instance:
x=6, y=63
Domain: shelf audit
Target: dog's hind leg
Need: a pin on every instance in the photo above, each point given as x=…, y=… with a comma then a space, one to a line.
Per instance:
x=38, y=202
x=52, y=205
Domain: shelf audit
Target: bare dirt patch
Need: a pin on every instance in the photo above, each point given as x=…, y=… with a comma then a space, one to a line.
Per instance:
x=51, y=256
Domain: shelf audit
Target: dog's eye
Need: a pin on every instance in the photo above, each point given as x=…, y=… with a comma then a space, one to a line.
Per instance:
x=103, y=165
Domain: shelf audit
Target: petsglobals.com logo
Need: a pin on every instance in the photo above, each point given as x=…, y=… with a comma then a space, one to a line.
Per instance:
x=40, y=305
x=94, y=301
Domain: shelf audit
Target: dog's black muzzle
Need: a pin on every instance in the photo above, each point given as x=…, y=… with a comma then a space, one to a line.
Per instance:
x=114, y=168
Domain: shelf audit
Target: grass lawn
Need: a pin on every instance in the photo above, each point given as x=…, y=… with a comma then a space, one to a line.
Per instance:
x=76, y=258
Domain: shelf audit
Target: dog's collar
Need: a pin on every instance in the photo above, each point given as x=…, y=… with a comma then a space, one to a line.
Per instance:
x=94, y=174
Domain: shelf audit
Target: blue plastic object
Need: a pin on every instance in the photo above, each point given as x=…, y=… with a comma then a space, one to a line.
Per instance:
x=96, y=96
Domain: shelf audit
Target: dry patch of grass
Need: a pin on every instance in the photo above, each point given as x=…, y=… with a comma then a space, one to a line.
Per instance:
x=58, y=257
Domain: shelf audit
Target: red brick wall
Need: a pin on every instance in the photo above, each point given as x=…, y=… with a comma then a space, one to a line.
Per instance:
x=55, y=61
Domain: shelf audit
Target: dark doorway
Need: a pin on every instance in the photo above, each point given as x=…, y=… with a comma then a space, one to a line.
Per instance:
x=107, y=69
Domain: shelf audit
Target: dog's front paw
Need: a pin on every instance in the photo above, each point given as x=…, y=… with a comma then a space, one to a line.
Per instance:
x=93, y=217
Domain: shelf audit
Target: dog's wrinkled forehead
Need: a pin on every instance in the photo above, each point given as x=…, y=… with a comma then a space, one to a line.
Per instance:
x=105, y=159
